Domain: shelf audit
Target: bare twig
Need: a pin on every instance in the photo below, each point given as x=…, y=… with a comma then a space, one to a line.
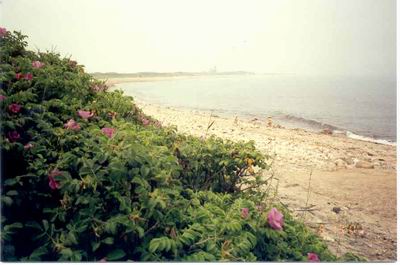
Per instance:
x=308, y=193
x=152, y=228
x=210, y=124
x=306, y=210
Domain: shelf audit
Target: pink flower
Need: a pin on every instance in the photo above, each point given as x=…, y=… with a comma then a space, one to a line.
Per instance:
x=13, y=136
x=96, y=88
x=108, y=132
x=19, y=76
x=275, y=219
x=53, y=184
x=245, y=213
x=72, y=125
x=145, y=121
x=2, y=98
x=85, y=114
x=37, y=64
x=3, y=32
x=103, y=260
x=28, y=146
x=99, y=87
x=28, y=76
x=14, y=108
x=312, y=257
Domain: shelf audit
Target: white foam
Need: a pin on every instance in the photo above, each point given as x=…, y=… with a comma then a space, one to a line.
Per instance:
x=369, y=139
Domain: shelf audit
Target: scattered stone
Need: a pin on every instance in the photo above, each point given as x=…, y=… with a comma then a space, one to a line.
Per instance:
x=349, y=160
x=327, y=131
x=376, y=164
x=364, y=164
x=330, y=166
x=269, y=122
x=340, y=163
x=354, y=228
x=292, y=185
x=328, y=238
x=336, y=210
x=236, y=120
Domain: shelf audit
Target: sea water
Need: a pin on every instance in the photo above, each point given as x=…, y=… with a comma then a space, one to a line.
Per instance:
x=361, y=107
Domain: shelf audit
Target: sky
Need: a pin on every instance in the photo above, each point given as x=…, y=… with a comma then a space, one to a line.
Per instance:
x=317, y=37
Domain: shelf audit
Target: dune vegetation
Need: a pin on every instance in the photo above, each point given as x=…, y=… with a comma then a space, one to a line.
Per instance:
x=87, y=176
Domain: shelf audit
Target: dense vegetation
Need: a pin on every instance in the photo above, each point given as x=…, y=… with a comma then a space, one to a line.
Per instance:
x=87, y=176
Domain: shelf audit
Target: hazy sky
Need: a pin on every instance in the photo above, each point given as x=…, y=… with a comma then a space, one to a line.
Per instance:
x=352, y=37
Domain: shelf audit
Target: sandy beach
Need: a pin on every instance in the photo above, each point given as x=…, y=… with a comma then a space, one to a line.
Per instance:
x=117, y=80
x=114, y=81
x=350, y=199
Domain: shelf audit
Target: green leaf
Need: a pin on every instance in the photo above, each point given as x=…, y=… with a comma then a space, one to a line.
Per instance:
x=144, y=171
x=72, y=238
x=10, y=182
x=163, y=244
x=7, y=200
x=37, y=253
x=116, y=254
x=12, y=193
x=154, y=245
x=45, y=225
x=67, y=252
x=12, y=226
x=108, y=241
x=140, y=231
x=95, y=246
x=167, y=244
x=111, y=227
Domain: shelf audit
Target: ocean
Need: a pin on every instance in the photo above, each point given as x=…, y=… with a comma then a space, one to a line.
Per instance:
x=360, y=107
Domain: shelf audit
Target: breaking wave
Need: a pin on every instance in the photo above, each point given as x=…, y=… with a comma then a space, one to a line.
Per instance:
x=316, y=126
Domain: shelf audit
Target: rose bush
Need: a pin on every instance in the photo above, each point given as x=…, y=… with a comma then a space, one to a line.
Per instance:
x=87, y=176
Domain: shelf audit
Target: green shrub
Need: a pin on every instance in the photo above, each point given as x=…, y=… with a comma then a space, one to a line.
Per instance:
x=71, y=193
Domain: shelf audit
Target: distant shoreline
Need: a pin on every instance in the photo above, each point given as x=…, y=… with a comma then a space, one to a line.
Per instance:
x=116, y=78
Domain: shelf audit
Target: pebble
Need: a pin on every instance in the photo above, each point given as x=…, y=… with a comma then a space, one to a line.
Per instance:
x=349, y=161
x=328, y=238
x=364, y=164
x=340, y=163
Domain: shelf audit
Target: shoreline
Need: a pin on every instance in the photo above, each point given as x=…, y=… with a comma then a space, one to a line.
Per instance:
x=244, y=128
x=344, y=189
x=299, y=123
x=112, y=81
x=277, y=122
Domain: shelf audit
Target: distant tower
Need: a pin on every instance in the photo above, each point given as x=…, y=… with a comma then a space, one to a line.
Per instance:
x=213, y=70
